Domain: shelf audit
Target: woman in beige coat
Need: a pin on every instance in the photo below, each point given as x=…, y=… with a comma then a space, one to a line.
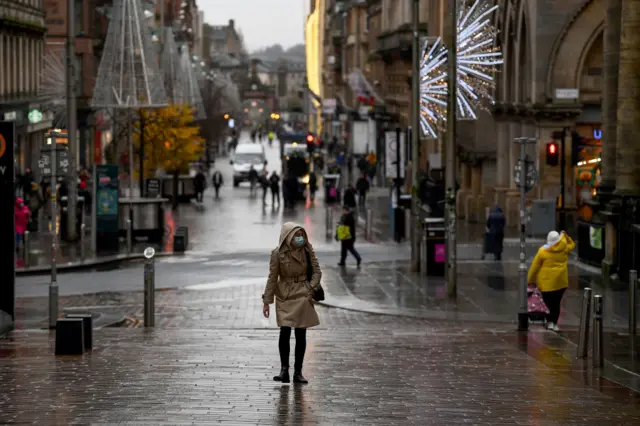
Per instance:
x=294, y=274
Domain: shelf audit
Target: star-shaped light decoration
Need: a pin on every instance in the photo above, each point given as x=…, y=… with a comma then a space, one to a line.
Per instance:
x=477, y=62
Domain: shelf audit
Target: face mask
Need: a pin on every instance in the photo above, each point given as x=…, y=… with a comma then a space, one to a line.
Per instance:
x=299, y=241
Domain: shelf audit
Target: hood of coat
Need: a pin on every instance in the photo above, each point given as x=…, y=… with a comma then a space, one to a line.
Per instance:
x=559, y=247
x=286, y=235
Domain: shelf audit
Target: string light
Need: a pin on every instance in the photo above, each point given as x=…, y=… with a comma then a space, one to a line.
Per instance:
x=477, y=62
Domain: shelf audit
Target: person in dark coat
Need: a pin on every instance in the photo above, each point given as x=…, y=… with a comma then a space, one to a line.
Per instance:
x=362, y=185
x=348, y=245
x=217, y=181
x=253, y=180
x=350, y=197
x=274, y=182
x=264, y=181
x=313, y=186
x=495, y=233
x=199, y=182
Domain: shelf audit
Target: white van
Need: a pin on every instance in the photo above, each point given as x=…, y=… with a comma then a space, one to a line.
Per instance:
x=245, y=156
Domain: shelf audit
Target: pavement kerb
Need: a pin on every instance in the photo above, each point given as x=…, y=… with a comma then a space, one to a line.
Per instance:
x=88, y=264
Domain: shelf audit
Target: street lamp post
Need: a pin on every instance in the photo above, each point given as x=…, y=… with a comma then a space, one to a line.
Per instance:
x=72, y=124
x=415, y=135
x=450, y=153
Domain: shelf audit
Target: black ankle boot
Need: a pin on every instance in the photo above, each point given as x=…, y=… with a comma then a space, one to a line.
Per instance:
x=283, y=376
x=299, y=378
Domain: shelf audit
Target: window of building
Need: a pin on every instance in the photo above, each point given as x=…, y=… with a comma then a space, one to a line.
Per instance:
x=79, y=13
x=78, y=69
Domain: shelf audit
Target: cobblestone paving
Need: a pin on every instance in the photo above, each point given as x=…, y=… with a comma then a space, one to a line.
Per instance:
x=423, y=373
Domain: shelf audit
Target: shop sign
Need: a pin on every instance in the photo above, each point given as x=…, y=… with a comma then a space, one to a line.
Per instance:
x=597, y=134
x=11, y=116
x=35, y=116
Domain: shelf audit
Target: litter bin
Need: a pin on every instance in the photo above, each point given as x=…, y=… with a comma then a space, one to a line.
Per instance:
x=436, y=253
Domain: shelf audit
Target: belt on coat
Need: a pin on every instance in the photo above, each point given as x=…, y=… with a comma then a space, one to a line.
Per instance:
x=299, y=278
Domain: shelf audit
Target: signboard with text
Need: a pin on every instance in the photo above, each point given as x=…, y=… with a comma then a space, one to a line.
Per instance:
x=7, y=225
x=106, y=205
x=394, y=152
x=62, y=162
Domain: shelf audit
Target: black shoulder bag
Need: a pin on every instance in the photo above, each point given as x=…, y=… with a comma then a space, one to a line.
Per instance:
x=318, y=292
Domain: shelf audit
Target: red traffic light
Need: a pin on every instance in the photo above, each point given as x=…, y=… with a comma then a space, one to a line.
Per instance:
x=552, y=154
x=309, y=138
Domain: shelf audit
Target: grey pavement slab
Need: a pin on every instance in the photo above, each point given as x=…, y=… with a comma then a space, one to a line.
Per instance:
x=425, y=373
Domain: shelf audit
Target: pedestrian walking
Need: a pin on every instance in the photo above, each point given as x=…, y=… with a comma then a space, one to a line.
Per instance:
x=264, y=181
x=349, y=198
x=494, y=233
x=274, y=182
x=362, y=186
x=313, y=186
x=199, y=182
x=22, y=215
x=253, y=179
x=550, y=273
x=346, y=234
x=217, y=181
x=294, y=277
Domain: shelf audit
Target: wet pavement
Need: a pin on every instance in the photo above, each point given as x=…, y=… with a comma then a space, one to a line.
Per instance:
x=399, y=352
x=363, y=369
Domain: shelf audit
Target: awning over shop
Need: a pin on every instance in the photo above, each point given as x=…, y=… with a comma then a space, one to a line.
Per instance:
x=361, y=87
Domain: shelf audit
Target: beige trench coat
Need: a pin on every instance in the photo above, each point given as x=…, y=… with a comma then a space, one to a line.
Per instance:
x=288, y=281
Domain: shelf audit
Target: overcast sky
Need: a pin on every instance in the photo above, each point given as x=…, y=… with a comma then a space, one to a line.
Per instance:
x=261, y=22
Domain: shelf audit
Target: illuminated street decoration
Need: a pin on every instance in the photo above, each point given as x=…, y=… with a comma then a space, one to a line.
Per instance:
x=477, y=62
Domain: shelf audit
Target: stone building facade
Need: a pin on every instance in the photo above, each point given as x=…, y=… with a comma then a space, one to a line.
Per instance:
x=22, y=30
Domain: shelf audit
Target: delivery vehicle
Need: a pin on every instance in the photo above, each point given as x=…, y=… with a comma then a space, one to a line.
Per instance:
x=245, y=156
x=295, y=162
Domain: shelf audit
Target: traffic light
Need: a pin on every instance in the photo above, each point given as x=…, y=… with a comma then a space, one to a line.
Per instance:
x=553, y=154
x=310, y=143
x=226, y=116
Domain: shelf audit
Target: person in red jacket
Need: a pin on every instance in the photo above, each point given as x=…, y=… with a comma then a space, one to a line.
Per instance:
x=22, y=214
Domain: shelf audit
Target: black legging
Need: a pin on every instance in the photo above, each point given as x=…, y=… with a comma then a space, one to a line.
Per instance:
x=301, y=346
x=553, y=300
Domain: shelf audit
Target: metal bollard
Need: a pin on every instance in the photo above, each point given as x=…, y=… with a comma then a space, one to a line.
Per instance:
x=633, y=290
x=408, y=223
x=83, y=249
x=585, y=318
x=368, y=231
x=598, y=344
x=329, y=222
x=129, y=236
x=26, y=249
x=149, y=288
x=423, y=254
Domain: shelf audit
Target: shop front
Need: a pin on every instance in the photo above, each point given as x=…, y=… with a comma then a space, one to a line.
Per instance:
x=31, y=126
x=587, y=145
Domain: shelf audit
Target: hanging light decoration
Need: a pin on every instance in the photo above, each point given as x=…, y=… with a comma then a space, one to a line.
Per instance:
x=477, y=62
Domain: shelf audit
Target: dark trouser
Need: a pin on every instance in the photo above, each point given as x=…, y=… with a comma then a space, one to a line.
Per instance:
x=348, y=246
x=264, y=194
x=199, y=194
x=301, y=347
x=362, y=199
x=553, y=299
x=275, y=196
x=217, y=188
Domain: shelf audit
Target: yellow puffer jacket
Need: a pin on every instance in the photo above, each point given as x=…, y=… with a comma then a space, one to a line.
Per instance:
x=549, y=268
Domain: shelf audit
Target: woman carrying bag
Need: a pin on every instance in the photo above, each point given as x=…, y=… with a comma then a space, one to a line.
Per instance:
x=294, y=281
x=550, y=272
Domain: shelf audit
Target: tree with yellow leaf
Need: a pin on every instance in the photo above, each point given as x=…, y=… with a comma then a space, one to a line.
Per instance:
x=171, y=140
